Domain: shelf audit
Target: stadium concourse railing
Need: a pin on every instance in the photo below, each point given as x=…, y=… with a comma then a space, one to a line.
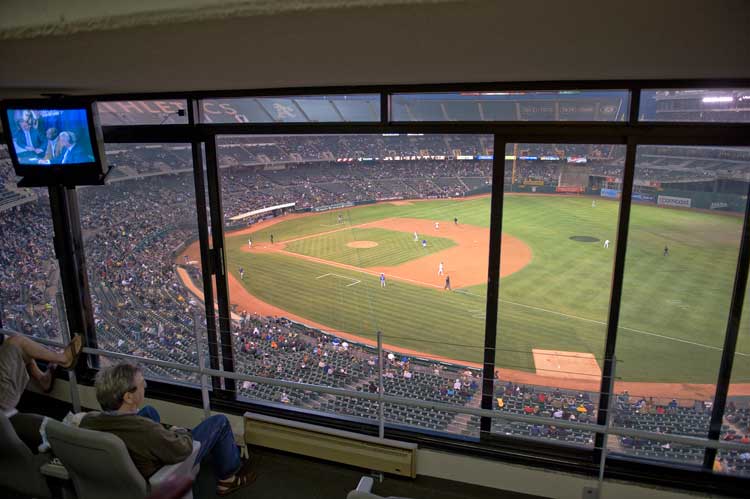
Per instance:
x=606, y=430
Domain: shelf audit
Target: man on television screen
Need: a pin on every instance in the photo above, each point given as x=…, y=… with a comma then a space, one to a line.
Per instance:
x=54, y=144
x=29, y=143
x=71, y=152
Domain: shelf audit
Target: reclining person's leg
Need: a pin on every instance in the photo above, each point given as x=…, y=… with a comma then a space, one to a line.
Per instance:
x=13, y=375
x=216, y=438
x=45, y=379
x=35, y=351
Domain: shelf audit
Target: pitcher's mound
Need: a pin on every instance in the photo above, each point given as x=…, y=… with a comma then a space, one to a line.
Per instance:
x=362, y=244
x=559, y=364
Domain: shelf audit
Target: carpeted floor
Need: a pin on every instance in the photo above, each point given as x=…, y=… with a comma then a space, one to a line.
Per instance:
x=288, y=476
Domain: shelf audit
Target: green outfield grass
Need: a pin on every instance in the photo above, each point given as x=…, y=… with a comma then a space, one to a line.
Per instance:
x=393, y=247
x=674, y=308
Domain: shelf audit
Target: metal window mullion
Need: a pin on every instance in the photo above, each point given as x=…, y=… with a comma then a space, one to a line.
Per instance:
x=219, y=260
x=493, y=282
x=730, y=339
x=206, y=273
x=618, y=270
x=615, y=296
x=385, y=108
x=69, y=252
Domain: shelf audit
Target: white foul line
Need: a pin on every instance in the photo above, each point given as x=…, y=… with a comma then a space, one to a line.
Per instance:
x=647, y=333
x=356, y=281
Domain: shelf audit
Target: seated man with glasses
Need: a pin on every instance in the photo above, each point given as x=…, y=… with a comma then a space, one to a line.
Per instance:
x=120, y=390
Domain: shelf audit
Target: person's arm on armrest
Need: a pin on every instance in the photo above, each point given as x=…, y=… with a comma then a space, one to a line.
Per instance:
x=173, y=447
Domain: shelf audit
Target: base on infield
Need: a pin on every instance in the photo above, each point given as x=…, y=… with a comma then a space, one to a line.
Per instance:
x=568, y=365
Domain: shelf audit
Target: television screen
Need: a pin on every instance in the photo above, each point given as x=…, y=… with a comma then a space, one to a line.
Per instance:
x=50, y=136
x=54, y=141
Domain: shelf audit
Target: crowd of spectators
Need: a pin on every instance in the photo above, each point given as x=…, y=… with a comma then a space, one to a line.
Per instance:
x=28, y=275
x=682, y=417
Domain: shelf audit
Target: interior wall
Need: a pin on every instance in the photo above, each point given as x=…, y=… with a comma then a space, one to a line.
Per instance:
x=459, y=41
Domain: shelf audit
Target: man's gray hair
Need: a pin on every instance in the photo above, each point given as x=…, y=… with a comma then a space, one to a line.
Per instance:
x=112, y=383
x=69, y=136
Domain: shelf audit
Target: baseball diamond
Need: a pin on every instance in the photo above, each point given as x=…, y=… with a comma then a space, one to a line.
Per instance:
x=553, y=294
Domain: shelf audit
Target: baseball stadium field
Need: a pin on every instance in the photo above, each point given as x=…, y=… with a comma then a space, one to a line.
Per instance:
x=324, y=270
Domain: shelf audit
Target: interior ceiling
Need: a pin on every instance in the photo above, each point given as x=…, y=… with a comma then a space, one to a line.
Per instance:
x=212, y=45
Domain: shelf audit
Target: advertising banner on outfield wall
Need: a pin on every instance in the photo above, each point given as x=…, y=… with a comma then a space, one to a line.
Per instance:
x=333, y=206
x=639, y=196
x=610, y=193
x=674, y=201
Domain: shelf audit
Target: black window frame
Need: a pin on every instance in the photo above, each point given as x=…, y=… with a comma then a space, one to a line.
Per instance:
x=631, y=133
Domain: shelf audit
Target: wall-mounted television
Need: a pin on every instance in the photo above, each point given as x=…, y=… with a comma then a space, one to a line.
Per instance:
x=54, y=141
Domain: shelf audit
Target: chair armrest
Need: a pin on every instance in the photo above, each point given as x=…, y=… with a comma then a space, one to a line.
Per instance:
x=363, y=490
x=365, y=484
x=186, y=467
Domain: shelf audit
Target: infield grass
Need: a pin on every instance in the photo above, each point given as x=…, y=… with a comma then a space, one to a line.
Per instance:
x=674, y=308
x=393, y=247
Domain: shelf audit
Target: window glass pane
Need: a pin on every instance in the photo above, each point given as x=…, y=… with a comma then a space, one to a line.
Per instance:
x=563, y=105
x=291, y=109
x=143, y=112
x=560, y=216
x=729, y=105
x=736, y=424
x=330, y=214
x=140, y=236
x=130, y=161
x=685, y=228
x=29, y=274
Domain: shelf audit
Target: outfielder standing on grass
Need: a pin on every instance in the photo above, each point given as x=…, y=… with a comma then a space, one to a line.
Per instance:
x=271, y=238
x=382, y=280
x=242, y=273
